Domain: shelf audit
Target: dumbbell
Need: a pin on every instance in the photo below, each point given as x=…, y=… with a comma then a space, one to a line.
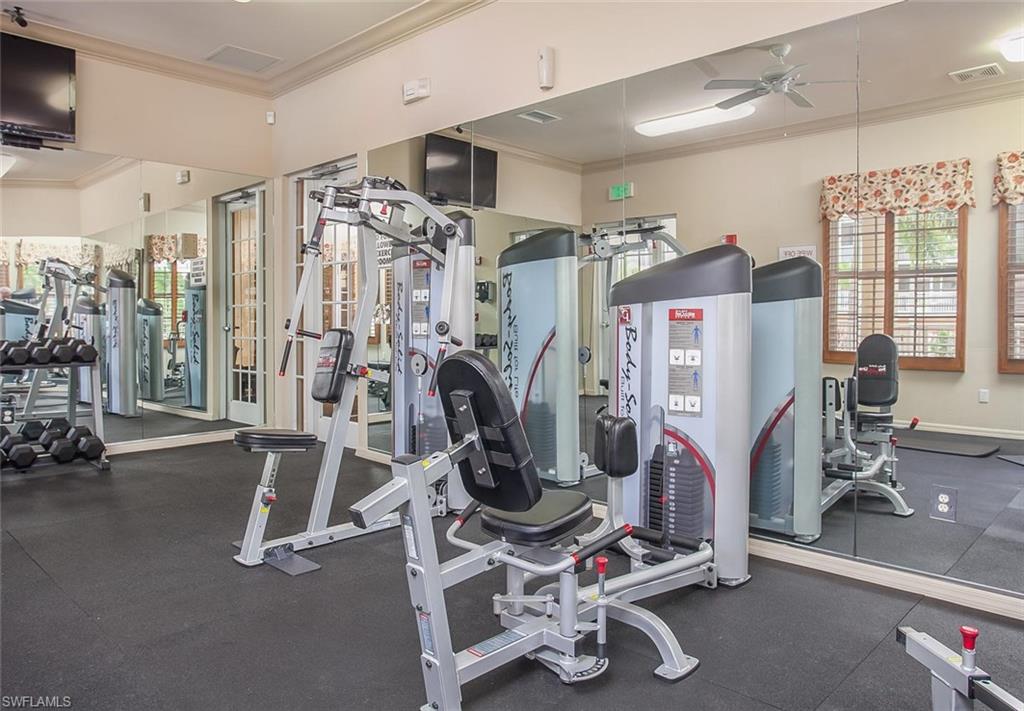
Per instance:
x=89, y=446
x=61, y=349
x=17, y=451
x=39, y=354
x=32, y=430
x=13, y=353
x=59, y=447
x=86, y=352
x=58, y=424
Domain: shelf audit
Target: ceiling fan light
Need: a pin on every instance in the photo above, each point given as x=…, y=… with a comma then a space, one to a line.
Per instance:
x=693, y=119
x=1012, y=47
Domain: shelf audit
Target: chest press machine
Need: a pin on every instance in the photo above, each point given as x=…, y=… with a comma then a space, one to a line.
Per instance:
x=493, y=458
x=341, y=362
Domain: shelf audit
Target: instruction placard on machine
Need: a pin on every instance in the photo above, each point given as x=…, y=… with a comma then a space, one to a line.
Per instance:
x=686, y=361
x=421, y=297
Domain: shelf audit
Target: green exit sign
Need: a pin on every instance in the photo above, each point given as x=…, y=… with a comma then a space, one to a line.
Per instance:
x=620, y=191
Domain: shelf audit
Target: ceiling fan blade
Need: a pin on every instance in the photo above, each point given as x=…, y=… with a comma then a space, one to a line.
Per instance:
x=741, y=98
x=733, y=84
x=706, y=67
x=799, y=99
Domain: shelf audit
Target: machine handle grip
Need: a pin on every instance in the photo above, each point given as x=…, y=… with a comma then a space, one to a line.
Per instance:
x=606, y=541
x=309, y=334
x=657, y=537
x=457, y=341
x=914, y=422
x=284, y=358
x=970, y=637
x=467, y=513
x=432, y=390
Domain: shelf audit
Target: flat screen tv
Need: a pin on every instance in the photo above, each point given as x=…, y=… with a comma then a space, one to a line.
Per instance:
x=37, y=90
x=447, y=172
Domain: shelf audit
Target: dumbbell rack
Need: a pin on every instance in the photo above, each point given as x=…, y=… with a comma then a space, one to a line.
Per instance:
x=74, y=377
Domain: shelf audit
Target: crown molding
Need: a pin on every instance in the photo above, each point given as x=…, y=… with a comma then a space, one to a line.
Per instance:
x=976, y=97
x=417, y=19
x=102, y=172
x=108, y=51
x=45, y=184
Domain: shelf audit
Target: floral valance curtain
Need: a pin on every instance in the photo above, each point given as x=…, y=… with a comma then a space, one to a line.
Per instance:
x=161, y=248
x=75, y=253
x=1008, y=185
x=945, y=185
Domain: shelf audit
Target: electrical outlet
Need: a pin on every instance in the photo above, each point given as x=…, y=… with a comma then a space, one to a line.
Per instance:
x=983, y=396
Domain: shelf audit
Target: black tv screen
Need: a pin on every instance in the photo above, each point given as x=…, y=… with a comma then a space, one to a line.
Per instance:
x=37, y=89
x=446, y=175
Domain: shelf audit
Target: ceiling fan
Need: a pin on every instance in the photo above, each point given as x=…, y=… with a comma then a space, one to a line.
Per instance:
x=778, y=78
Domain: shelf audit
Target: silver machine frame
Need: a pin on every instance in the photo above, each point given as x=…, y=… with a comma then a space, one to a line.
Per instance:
x=542, y=625
x=348, y=205
x=956, y=680
x=864, y=472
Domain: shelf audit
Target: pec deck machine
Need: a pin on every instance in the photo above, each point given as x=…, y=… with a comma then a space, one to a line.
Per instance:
x=675, y=456
x=434, y=272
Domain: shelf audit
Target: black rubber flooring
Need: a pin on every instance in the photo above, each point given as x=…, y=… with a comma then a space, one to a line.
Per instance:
x=119, y=591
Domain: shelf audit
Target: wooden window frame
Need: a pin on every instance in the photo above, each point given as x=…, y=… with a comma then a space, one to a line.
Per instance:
x=1007, y=365
x=954, y=364
x=175, y=295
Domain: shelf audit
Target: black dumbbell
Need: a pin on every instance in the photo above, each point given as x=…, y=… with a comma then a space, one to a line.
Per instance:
x=17, y=451
x=14, y=353
x=62, y=349
x=58, y=424
x=39, y=354
x=89, y=446
x=59, y=447
x=32, y=430
x=86, y=352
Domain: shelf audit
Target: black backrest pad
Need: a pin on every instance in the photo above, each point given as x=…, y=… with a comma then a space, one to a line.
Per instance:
x=516, y=483
x=331, y=364
x=878, y=377
x=615, y=449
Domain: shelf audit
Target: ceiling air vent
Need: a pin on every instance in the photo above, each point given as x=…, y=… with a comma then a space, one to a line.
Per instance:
x=240, y=59
x=538, y=116
x=985, y=71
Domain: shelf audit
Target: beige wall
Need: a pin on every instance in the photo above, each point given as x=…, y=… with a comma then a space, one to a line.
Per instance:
x=767, y=193
x=483, y=63
x=127, y=111
x=39, y=212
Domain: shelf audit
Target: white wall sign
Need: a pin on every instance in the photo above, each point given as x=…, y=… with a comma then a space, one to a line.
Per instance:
x=805, y=250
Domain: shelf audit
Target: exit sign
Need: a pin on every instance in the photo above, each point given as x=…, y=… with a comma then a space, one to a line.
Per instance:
x=621, y=191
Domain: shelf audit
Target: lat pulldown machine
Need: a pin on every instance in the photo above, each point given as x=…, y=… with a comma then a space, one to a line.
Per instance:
x=341, y=361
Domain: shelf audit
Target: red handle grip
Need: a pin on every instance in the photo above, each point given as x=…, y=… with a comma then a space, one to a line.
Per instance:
x=601, y=563
x=970, y=636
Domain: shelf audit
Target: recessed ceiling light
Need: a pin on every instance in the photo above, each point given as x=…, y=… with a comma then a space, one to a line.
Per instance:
x=1012, y=47
x=693, y=119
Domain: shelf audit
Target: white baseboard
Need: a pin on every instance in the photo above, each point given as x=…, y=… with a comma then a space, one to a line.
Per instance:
x=179, y=411
x=963, y=429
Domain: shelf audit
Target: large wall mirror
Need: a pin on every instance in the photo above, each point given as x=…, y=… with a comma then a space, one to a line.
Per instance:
x=857, y=171
x=159, y=266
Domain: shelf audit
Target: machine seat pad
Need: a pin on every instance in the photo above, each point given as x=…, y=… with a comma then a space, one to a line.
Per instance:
x=274, y=440
x=555, y=516
x=874, y=418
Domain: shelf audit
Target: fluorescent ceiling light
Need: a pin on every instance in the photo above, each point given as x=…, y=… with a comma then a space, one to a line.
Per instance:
x=1012, y=47
x=693, y=119
x=6, y=163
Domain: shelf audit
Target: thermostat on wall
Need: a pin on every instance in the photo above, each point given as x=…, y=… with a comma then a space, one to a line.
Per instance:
x=415, y=90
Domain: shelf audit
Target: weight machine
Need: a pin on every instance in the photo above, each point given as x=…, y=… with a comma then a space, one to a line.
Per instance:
x=342, y=360
x=957, y=681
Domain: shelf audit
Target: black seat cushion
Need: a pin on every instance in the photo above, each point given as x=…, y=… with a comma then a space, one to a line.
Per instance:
x=274, y=440
x=874, y=418
x=555, y=516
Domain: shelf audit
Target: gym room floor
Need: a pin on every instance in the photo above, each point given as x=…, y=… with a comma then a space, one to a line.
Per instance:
x=119, y=591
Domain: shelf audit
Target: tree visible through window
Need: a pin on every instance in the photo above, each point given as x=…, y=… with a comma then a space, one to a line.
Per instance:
x=897, y=274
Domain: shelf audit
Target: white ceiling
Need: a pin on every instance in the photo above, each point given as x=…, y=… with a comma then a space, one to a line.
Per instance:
x=905, y=53
x=290, y=30
x=66, y=165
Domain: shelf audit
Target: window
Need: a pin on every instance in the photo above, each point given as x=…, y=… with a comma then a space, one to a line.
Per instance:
x=1011, y=288
x=897, y=274
x=646, y=253
x=167, y=283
